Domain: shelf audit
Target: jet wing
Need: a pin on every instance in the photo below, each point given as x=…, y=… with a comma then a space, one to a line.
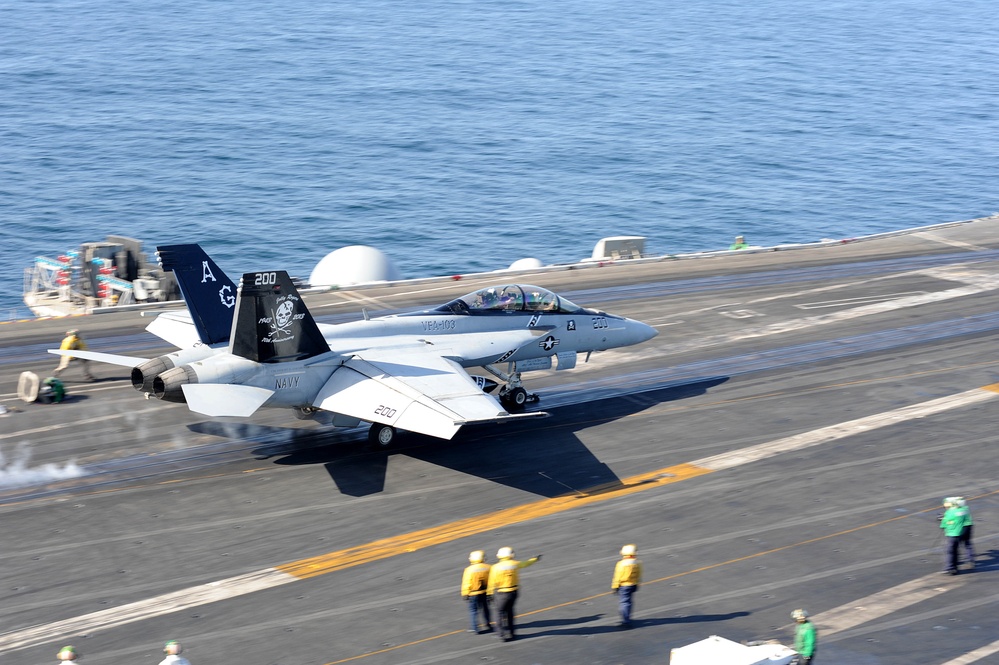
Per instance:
x=410, y=388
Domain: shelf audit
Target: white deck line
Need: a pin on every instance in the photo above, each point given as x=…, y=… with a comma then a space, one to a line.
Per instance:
x=146, y=609
x=882, y=603
x=842, y=430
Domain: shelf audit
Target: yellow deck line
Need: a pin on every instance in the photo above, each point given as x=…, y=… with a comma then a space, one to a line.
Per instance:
x=436, y=535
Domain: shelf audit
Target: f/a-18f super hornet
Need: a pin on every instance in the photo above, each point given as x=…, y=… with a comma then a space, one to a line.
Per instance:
x=405, y=371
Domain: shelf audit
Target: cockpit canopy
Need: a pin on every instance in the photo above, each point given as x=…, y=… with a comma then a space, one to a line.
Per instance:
x=510, y=298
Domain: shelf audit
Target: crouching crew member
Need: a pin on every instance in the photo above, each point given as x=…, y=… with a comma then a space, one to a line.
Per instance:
x=504, y=583
x=73, y=342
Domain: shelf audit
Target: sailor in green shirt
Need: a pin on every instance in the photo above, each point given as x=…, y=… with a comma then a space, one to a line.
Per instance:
x=740, y=243
x=804, y=637
x=956, y=524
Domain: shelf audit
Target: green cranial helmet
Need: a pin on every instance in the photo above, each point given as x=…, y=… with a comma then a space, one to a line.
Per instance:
x=68, y=653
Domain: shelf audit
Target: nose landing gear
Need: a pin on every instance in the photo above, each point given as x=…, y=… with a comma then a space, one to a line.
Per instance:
x=513, y=396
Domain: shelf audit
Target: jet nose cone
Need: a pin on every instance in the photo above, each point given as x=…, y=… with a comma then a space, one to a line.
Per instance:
x=641, y=332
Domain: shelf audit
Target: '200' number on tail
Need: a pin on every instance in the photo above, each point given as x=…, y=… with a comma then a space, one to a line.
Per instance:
x=265, y=278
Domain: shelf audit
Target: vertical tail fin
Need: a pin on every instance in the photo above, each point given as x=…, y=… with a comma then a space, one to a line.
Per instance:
x=271, y=323
x=210, y=295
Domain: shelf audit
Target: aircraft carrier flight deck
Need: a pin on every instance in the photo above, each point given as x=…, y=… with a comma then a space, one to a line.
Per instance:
x=784, y=442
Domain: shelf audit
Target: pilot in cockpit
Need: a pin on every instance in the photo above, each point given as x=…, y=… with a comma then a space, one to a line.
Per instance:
x=542, y=301
x=489, y=298
x=535, y=301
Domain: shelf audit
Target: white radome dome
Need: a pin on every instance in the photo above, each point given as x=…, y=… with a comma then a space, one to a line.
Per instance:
x=356, y=264
x=526, y=264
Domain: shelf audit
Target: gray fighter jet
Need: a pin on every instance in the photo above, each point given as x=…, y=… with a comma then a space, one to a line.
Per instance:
x=405, y=371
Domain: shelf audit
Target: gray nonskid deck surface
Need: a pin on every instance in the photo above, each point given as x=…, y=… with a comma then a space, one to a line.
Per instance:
x=842, y=388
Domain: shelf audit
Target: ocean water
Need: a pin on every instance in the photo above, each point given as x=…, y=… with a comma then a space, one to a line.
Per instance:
x=460, y=136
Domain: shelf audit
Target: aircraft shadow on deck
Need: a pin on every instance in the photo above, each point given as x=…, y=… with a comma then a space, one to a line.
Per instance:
x=544, y=457
x=553, y=626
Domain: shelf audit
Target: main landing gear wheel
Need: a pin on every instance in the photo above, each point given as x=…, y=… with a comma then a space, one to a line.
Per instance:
x=515, y=399
x=381, y=436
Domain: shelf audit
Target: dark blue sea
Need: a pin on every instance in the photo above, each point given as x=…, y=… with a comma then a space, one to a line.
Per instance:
x=460, y=136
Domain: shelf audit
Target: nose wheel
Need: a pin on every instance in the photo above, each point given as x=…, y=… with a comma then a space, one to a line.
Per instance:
x=515, y=399
x=513, y=396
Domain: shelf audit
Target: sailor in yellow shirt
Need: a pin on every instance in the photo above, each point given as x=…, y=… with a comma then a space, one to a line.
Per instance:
x=504, y=582
x=627, y=577
x=474, y=581
x=73, y=342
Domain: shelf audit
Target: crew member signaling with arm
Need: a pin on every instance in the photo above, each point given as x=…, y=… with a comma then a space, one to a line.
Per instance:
x=504, y=582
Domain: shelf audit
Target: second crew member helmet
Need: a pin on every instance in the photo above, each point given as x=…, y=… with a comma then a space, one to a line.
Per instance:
x=948, y=502
x=629, y=550
x=68, y=653
x=505, y=553
x=960, y=501
x=172, y=648
x=73, y=331
x=799, y=615
x=478, y=556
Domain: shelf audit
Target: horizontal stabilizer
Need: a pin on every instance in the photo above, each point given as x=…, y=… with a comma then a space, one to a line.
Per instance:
x=109, y=358
x=219, y=399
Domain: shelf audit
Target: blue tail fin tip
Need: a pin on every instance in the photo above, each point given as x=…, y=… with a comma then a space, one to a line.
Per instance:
x=209, y=293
